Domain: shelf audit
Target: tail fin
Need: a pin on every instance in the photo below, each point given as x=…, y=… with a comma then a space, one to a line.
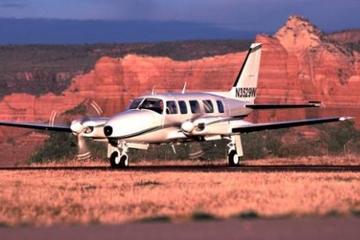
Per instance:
x=245, y=85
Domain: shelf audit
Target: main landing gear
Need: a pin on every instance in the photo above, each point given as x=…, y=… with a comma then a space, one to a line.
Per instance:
x=235, y=151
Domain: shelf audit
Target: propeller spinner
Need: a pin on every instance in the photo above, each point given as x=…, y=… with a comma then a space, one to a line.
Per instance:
x=82, y=127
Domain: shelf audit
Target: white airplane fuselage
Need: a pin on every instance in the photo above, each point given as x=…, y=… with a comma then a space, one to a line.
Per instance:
x=183, y=115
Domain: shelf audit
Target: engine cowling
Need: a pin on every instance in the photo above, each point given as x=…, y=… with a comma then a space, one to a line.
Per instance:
x=88, y=127
x=206, y=126
x=187, y=127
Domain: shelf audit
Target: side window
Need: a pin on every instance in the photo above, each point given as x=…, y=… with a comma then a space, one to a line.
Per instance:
x=195, y=106
x=183, y=107
x=220, y=106
x=171, y=107
x=208, y=106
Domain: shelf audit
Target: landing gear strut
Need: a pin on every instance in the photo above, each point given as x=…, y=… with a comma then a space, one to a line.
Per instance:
x=235, y=151
x=118, y=157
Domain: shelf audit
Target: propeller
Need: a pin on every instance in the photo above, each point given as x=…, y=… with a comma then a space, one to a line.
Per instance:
x=83, y=152
x=77, y=127
x=195, y=148
x=84, y=111
x=189, y=126
x=194, y=128
x=196, y=151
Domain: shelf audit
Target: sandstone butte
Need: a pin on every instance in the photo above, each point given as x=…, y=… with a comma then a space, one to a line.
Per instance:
x=299, y=63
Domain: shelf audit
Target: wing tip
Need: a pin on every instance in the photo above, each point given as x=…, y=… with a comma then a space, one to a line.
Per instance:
x=315, y=103
x=345, y=118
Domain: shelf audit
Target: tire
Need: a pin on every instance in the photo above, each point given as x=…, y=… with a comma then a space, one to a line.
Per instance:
x=234, y=159
x=124, y=161
x=115, y=162
x=113, y=159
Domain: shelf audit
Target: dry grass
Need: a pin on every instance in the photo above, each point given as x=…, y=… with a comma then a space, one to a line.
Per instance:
x=49, y=197
x=311, y=160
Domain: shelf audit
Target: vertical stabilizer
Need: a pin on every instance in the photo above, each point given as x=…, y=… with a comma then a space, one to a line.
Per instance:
x=245, y=84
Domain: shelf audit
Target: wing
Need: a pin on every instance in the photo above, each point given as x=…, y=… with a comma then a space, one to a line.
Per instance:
x=37, y=126
x=281, y=106
x=286, y=124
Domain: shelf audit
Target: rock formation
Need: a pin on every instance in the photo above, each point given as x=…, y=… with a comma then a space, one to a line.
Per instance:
x=346, y=36
x=301, y=63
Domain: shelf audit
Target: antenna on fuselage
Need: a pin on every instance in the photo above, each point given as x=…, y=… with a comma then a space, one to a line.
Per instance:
x=184, y=88
x=153, y=91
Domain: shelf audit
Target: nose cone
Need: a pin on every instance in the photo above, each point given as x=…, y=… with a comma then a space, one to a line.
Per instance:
x=108, y=131
x=132, y=123
x=76, y=126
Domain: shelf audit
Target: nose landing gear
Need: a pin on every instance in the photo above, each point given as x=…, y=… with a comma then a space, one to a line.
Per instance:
x=118, y=157
x=119, y=161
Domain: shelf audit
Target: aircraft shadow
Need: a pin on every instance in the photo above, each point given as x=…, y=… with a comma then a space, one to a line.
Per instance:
x=199, y=168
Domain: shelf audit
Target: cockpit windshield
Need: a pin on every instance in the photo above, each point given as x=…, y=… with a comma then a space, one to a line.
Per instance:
x=153, y=104
x=135, y=103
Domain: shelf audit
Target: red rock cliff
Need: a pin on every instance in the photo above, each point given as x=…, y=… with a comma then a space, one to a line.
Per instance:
x=301, y=63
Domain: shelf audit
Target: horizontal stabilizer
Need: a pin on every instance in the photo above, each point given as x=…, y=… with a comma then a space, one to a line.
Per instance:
x=36, y=126
x=286, y=124
x=282, y=106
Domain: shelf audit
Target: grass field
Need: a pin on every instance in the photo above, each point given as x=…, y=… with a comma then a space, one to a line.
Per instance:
x=47, y=197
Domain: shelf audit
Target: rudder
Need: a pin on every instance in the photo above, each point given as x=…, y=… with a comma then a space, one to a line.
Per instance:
x=245, y=85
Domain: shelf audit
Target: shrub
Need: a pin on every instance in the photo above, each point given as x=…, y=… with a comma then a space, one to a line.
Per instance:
x=203, y=216
x=337, y=137
x=57, y=147
x=249, y=214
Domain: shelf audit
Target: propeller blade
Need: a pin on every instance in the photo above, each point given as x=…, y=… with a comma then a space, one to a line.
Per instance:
x=52, y=118
x=83, y=150
x=196, y=151
x=93, y=108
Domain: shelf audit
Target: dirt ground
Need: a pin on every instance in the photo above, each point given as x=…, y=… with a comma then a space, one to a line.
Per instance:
x=85, y=196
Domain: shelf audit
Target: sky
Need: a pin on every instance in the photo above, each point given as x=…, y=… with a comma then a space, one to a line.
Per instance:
x=246, y=15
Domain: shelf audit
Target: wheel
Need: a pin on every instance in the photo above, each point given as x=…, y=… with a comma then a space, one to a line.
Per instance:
x=124, y=160
x=114, y=160
x=234, y=159
x=117, y=161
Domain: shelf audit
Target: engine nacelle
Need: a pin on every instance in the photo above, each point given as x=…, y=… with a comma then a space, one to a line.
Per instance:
x=89, y=127
x=187, y=127
x=206, y=126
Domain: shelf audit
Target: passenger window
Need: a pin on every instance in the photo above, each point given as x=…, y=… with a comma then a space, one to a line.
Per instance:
x=220, y=106
x=208, y=106
x=171, y=107
x=195, y=106
x=183, y=107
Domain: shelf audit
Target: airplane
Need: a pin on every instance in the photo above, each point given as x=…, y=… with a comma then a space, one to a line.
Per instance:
x=184, y=117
